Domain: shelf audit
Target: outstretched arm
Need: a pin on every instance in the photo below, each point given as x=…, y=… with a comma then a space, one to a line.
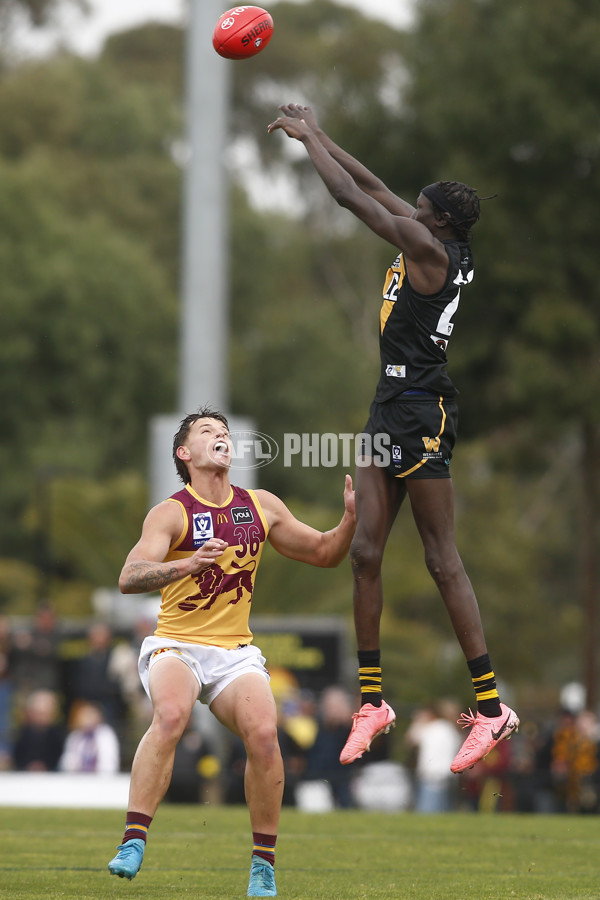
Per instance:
x=145, y=569
x=364, y=178
x=406, y=234
x=299, y=541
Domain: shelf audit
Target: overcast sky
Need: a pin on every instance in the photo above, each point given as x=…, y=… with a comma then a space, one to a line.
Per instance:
x=86, y=33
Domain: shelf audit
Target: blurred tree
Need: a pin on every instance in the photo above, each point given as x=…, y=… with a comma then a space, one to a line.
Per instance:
x=87, y=187
x=37, y=11
x=499, y=94
x=15, y=14
x=81, y=528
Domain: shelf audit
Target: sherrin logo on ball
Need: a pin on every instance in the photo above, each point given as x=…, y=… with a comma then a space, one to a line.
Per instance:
x=242, y=32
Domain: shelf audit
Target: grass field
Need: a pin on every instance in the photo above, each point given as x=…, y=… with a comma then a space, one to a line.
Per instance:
x=202, y=852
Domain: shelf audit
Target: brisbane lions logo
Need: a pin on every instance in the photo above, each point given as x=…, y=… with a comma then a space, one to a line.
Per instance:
x=213, y=582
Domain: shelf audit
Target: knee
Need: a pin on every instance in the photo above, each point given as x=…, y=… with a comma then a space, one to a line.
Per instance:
x=170, y=720
x=442, y=567
x=365, y=559
x=262, y=743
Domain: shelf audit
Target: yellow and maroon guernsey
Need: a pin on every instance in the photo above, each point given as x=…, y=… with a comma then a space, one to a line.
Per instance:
x=213, y=606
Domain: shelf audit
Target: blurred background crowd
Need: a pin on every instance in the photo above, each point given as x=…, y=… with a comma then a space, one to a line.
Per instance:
x=74, y=703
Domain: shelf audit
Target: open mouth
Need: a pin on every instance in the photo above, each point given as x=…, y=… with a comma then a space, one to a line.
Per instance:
x=221, y=447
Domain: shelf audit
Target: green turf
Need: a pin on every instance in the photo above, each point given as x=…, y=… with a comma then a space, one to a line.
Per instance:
x=203, y=853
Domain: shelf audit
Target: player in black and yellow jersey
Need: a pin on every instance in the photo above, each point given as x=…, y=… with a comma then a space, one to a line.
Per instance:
x=414, y=411
x=201, y=548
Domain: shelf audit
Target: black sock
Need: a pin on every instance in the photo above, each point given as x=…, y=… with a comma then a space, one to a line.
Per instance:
x=484, y=682
x=369, y=676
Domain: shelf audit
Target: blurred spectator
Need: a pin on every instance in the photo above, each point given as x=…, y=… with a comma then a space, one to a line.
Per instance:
x=135, y=705
x=434, y=735
x=383, y=786
x=298, y=717
x=196, y=769
x=90, y=677
x=486, y=786
x=529, y=772
x=35, y=657
x=123, y=668
x=6, y=694
x=323, y=763
x=574, y=762
x=91, y=745
x=40, y=739
x=588, y=759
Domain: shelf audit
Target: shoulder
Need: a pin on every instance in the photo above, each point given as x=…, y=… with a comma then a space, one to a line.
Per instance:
x=165, y=516
x=272, y=506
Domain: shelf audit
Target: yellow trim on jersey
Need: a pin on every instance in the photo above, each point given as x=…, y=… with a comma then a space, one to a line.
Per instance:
x=191, y=490
x=260, y=511
x=184, y=526
x=388, y=305
x=423, y=461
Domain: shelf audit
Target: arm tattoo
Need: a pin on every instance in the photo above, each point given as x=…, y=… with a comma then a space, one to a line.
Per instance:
x=150, y=576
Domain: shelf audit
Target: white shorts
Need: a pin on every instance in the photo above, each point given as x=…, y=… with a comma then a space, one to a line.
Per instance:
x=214, y=667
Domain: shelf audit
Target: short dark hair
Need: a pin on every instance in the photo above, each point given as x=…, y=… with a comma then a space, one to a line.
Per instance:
x=205, y=412
x=466, y=201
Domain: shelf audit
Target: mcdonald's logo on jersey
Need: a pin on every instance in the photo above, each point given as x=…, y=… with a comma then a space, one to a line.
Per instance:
x=222, y=519
x=432, y=445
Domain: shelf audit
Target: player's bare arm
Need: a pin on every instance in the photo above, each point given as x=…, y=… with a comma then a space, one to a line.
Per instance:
x=364, y=178
x=301, y=542
x=145, y=569
x=418, y=243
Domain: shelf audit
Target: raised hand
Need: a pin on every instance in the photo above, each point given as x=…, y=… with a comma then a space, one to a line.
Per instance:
x=296, y=111
x=294, y=128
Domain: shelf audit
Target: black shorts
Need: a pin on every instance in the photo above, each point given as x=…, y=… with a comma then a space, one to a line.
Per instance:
x=412, y=438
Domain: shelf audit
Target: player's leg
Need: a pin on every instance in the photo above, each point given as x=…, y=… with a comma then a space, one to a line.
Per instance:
x=432, y=503
x=246, y=706
x=378, y=499
x=173, y=690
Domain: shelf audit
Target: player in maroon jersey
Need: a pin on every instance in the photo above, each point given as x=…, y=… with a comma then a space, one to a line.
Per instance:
x=201, y=548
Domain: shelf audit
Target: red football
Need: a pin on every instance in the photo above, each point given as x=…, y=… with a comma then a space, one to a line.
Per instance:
x=242, y=32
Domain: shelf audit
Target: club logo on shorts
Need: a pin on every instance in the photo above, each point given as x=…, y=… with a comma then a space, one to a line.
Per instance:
x=432, y=448
x=396, y=454
x=203, y=528
x=396, y=371
x=431, y=444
